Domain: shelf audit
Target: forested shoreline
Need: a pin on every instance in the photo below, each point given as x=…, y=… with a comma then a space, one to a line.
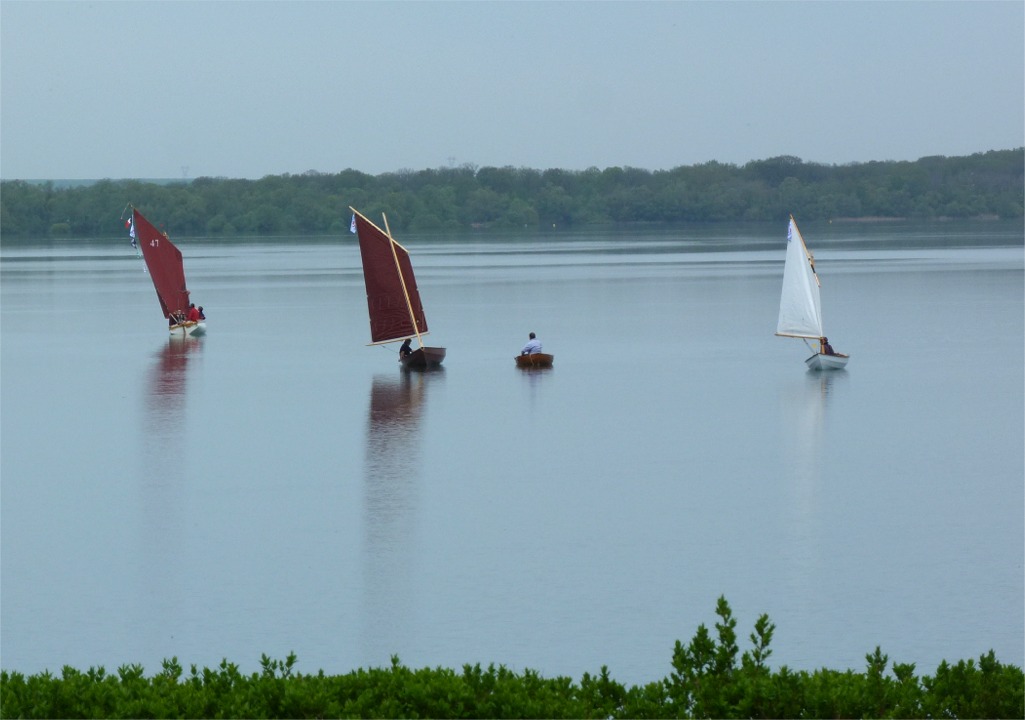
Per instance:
x=983, y=185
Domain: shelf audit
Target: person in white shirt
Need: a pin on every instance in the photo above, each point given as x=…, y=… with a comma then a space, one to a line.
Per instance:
x=533, y=346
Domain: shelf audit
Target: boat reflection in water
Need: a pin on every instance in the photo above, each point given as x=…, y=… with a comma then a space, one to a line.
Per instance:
x=392, y=426
x=158, y=601
x=165, y=429
x=165, y=401
x=805, y=404
x=534, y=376
x=391, y=479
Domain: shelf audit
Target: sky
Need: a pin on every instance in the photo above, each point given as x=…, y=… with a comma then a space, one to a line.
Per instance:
x=245, y=88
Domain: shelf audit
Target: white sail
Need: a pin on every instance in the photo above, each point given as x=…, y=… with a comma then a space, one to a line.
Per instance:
x=800, y=311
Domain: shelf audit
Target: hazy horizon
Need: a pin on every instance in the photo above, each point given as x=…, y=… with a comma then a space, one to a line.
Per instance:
x=86, y=181
x=179, y=90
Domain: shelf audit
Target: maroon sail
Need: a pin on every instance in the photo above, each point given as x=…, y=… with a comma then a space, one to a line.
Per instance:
x=392, y=297
x=165, y=265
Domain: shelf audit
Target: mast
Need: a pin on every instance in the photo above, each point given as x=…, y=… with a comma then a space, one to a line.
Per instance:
x=402, y=281
x=807, y=252
x=396, y=311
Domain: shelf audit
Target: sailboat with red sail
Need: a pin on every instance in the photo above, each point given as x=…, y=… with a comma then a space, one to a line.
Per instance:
x=167, y=269
x=396, y=312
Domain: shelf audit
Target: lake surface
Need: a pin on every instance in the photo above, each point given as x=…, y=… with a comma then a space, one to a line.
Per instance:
x=280, y=486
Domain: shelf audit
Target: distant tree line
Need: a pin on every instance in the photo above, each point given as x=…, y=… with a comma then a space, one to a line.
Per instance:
x=988, y=184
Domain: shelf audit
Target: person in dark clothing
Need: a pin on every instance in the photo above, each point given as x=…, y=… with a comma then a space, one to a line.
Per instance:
x=826, y=348
x=406, y=350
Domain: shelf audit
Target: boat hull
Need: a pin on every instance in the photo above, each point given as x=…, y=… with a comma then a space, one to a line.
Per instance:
x=535, y=360
x=424, y=357
x=818, y=361
x=189, y=328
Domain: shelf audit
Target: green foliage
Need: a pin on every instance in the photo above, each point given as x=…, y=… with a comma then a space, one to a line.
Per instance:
x=705, y=681
x=990, y=184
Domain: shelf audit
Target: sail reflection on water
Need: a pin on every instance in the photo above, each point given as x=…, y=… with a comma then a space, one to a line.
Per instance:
x=165, y=399
x=805, y=405
x=162, y=491
x=392, y=427
x=391, y=478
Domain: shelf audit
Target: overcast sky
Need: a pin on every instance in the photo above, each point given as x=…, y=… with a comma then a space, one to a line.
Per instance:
x=246, y=89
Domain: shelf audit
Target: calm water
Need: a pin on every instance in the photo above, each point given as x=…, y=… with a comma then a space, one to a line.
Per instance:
x=279, y=486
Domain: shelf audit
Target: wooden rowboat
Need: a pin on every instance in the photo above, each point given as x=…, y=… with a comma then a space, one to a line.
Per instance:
x=535, y=360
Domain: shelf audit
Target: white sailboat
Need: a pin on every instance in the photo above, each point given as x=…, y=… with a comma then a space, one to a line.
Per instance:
x=800, y=308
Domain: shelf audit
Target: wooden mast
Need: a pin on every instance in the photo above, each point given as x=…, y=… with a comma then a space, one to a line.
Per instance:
x=402, y=281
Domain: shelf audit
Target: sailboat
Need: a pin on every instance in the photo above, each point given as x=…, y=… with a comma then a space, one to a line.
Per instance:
x=167, y=270
x=393, y=300
x=800, y=309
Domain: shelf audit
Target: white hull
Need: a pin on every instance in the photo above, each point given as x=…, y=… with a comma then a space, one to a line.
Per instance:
x=818, y=361
x=188, y=329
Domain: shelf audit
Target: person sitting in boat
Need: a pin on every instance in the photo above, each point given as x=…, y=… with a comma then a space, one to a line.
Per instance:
x=202, y=316
x=533, y=346
x=826, y=348
x=175, y=318
x=193, y=315
x=406, y=350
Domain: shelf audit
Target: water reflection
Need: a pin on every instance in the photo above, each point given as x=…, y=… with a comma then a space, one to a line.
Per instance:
x=534, y=377
x=392, y=474
x=164, y=428
x=803, y=406
x=156, y=602
x=165, y=401
x=804, y=414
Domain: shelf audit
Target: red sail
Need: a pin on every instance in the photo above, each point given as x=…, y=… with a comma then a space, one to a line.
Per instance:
x=391, y=317
x=164, y=261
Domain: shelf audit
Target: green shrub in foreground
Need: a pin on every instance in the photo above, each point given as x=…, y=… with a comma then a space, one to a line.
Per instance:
x=706, y=681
